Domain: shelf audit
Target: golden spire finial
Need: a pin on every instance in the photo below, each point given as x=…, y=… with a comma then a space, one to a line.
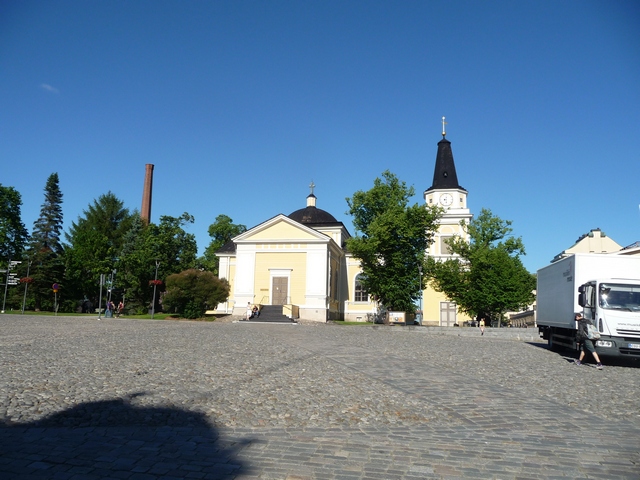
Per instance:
x=444, y=132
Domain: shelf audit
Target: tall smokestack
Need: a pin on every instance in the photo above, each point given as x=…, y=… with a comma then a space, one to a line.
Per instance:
x=145, y=212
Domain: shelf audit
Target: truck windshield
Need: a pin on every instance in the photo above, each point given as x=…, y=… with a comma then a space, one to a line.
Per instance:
x=620, y=296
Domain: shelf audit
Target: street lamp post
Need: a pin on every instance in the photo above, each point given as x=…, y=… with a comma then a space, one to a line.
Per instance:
x=420, y=299
x=155, y=280
x=100, y=297
x=111, y=281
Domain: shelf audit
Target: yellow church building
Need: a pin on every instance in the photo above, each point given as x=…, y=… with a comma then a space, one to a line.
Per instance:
x=300, y=261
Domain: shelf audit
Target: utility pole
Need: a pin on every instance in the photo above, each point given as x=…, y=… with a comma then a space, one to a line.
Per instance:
x=26, y=284
x=100, y=298
x=155, y=280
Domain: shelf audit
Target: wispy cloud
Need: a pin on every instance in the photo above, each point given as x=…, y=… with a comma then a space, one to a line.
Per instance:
x=49, y=88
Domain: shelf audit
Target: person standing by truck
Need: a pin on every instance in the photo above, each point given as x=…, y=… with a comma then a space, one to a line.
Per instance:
x=585, y=342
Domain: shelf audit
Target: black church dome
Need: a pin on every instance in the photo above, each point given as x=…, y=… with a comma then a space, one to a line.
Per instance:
x=312, y=215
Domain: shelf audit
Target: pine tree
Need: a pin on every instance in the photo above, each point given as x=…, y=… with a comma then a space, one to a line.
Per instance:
x=45, y=248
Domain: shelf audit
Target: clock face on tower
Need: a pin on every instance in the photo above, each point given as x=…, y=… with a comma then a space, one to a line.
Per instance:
x=446, y=199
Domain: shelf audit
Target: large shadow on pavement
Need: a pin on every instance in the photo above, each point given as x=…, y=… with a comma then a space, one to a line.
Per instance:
x=116, y=439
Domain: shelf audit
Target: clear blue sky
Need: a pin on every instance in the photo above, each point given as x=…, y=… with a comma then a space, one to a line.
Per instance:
x=241, y=104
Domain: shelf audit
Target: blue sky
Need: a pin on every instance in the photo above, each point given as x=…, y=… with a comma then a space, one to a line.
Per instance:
x=241, y=104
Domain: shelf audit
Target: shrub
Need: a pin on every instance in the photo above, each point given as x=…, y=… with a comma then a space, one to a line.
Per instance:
x=191, y=292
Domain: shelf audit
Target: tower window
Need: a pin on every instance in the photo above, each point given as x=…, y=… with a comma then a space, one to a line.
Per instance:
x=444, y=248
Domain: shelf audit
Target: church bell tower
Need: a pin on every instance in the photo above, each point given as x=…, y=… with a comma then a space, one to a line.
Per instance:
x=447, y=193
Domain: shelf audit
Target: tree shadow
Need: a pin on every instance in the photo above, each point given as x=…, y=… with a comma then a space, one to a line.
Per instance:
x=116, y=439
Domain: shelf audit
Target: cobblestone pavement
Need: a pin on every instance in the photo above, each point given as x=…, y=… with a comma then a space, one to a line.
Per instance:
x=116, y=398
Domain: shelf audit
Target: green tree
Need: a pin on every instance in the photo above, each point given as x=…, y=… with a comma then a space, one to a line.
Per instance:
x=166, y=243
x=488, y=278
x=391, y=240
x=192, y=292
x=133, y=267
x=95, y=241
x=45, y=249
x=13, y=233
x=221, y=231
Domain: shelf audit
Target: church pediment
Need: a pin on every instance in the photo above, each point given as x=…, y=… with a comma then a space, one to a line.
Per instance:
x=281, y=228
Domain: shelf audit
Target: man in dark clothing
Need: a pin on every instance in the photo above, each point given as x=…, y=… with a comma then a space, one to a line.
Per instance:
x=585, y=343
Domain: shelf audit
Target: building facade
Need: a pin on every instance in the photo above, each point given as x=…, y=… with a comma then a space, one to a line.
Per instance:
x=300, y=261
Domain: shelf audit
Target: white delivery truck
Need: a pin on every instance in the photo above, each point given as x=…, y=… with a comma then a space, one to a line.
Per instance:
x=605, y=288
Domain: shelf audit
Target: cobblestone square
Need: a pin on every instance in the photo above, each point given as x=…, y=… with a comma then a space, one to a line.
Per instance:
x=119, y=398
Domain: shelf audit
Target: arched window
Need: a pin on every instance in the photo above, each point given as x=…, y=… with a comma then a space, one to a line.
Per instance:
x=360, y=294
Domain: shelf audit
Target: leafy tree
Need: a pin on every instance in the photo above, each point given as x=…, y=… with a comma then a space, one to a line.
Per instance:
x=166, y=243
x=13, y=233
x=172, y=245
x=191, y=292
x=95, y=241
x=133, y=266
x=488, y=278
x=391, y=240
x=221, y=231
x=45, y=249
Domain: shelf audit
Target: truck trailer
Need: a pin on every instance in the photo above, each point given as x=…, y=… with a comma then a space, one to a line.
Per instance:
x=605, y=288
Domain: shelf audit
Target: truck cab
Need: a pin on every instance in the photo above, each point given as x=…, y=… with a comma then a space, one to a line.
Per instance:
x=613, y=306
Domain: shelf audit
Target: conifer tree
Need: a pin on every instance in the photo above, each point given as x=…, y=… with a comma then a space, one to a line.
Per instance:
x=45, y=248
x=95, y=241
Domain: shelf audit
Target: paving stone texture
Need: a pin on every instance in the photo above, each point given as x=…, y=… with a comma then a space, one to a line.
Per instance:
x=124, y=399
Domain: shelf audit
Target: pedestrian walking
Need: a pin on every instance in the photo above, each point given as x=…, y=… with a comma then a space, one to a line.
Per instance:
x=582, y=336
x=482, y=326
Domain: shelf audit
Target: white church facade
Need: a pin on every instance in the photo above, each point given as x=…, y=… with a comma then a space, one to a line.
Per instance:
x=300, y=261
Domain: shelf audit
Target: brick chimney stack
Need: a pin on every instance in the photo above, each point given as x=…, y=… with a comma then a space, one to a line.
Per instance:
x=145, y=212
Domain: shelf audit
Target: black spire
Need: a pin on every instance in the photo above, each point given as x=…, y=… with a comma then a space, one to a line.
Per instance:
x=444, y=175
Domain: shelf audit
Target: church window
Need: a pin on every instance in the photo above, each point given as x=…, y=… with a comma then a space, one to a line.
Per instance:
x=361, y=294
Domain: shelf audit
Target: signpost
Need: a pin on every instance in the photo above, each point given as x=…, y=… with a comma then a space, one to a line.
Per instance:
x=10, y=279
x=55, y=287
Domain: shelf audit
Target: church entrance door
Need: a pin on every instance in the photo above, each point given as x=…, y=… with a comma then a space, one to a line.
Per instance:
x=447, y=314
x=280, y=289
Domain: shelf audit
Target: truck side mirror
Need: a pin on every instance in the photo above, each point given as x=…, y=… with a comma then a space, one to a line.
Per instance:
x=582, y=299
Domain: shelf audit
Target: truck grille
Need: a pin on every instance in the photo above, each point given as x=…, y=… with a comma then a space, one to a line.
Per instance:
x=628, y=333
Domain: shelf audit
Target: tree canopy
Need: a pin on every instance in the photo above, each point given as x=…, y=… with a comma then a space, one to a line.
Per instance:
x=13, y=233
x=192, y=292
x=95, y=241
x=221, y=231
x=488, y=277
x=391, y=240
x=166, y=243
x=45, y=248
